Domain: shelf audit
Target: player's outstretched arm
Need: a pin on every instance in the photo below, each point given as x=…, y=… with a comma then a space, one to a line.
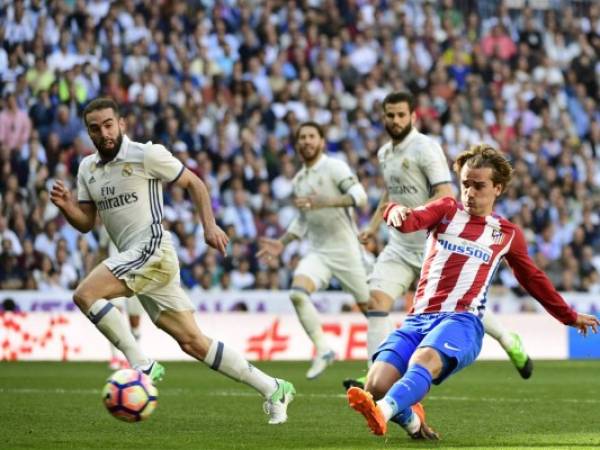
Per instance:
x=213, y=234
x=585, y=321
x=81, y=216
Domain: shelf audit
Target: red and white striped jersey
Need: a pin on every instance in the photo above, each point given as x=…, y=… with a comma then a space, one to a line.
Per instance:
x=463, y=252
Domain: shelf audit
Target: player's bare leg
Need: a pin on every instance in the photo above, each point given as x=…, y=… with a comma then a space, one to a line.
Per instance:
x=90, y=296
x=182, y=326
x=302, y=288
x=134, y=324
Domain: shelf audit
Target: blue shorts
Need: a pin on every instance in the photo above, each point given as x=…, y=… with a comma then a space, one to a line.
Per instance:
x=456, y=336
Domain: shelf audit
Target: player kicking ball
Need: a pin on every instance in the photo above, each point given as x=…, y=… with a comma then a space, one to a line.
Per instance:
x=443, y=332
x=415, y=171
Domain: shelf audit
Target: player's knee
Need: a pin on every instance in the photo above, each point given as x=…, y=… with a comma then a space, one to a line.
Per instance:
x=83, y=298
x=429, y=358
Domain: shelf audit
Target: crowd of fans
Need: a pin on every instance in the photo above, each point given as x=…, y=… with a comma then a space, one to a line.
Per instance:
x=224, y=83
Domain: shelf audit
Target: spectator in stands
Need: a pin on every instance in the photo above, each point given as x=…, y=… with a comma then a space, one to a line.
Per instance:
x=6, y=233
x=67, y=275
x=66, y=126
x=15, y=125
x=240, y=215
x=46, y=242
x=231, y=84
x=12, y=276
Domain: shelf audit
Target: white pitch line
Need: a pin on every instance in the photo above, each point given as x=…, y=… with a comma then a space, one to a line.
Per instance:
x=183, y=391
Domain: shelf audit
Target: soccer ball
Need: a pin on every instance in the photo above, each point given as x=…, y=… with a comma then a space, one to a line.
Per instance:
x=129, y=395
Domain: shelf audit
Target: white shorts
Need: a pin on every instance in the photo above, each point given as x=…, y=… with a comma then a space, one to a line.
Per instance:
x=153, y=278
x=394, y=274
x=351, y=274
x=131, y=305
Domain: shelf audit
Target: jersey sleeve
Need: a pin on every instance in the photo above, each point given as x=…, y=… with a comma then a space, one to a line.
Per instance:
x=343, y=176
x=536, y=282
x=434, y=164
x=83, y=193
x=161, y=164
x=425, y=217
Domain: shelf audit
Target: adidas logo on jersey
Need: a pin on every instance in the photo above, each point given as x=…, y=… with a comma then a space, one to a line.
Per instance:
x=91, y=180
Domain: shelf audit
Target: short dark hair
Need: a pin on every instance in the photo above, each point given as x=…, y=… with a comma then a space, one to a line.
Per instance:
x=479, y=156
x=100, y=103
x=309, y=123
x=400, y=97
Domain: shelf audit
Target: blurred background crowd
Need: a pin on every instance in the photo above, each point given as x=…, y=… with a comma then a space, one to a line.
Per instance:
x=224, y=83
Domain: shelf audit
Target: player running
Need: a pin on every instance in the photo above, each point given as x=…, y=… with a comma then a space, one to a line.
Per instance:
x=325, y=191
x=122, y=182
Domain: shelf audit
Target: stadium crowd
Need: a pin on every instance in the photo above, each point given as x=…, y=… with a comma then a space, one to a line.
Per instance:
x=224, y=83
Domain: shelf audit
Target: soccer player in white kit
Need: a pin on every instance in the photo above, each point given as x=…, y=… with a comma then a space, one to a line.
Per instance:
x=122, y=182
x=415, y=171
x=325, y=191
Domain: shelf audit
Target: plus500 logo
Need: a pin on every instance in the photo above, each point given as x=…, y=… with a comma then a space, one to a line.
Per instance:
x=467, y=250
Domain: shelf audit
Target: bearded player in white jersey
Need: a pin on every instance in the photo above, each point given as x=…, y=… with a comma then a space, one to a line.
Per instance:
x=415, y=171
x=325, y=191
x=122, y=182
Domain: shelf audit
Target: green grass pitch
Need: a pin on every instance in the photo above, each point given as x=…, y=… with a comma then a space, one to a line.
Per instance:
x=57, y=405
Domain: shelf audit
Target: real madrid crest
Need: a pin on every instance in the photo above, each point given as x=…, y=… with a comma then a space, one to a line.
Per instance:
x=127, y=170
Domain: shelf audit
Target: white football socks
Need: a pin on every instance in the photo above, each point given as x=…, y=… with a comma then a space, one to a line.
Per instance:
x=229, y=362
x=379, y=327
x=386, y=409
x=310, y=320
x=135, y=331
x=495, y=329
x=111, y=324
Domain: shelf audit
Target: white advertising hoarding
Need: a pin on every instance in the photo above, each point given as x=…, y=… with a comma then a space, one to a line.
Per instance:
x=278, y=302
x=71, y=336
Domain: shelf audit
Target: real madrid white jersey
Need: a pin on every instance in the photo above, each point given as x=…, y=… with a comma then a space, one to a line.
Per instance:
x=410, y=170
x=331, y=231
x=127, y=191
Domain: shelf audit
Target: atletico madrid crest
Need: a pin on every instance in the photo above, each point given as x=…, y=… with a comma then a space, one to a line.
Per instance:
x=497, y=237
